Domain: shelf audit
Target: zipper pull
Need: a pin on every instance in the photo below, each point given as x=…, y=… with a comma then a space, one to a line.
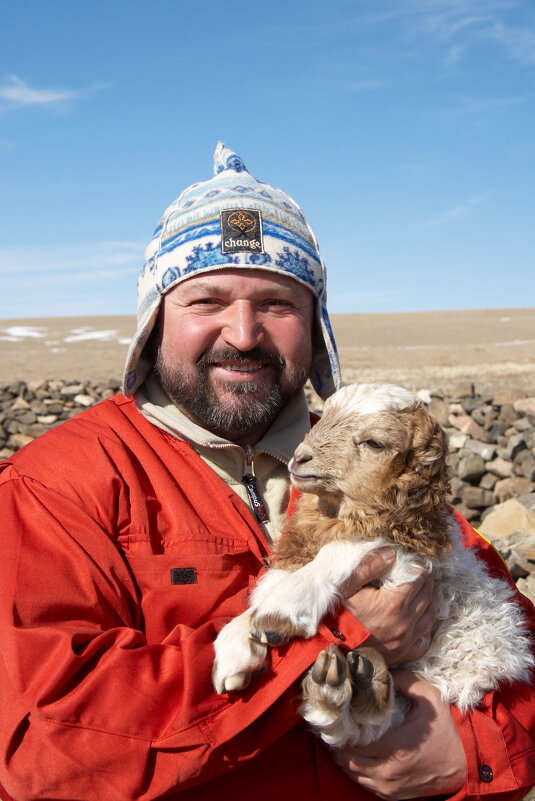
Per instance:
x=251, y=486
x=256, y=501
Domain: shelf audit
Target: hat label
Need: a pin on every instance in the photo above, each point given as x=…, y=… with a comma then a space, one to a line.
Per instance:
x=241, y=231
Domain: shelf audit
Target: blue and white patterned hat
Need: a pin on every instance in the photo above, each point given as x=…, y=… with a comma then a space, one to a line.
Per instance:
x=232, y=221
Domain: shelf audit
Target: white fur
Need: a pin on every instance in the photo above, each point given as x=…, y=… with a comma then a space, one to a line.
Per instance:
x=304, y=597
x=480, y=640
x=480, y=637
x=237, y=655
x=371, y=398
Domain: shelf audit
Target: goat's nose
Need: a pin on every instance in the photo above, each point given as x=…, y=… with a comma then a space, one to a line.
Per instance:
x=302, y=454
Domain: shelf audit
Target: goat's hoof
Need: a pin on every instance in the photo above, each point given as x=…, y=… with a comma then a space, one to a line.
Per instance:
x=330, y=668
x=237, y=682
x=360, y=669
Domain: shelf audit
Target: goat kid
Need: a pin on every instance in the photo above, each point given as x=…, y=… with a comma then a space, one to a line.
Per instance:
x=373, y=472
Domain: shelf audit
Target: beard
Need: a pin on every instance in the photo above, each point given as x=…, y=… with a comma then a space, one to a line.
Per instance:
x=239, y=408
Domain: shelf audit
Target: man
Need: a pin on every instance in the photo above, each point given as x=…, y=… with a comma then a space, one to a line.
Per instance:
x=133, y=532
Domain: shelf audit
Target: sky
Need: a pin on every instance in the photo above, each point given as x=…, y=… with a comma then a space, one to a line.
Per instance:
x=405, y=129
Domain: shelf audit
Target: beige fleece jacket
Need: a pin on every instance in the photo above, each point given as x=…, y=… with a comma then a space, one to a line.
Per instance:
x=267, y=460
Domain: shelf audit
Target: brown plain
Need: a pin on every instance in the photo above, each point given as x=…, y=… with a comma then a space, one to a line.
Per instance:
x=494, y=349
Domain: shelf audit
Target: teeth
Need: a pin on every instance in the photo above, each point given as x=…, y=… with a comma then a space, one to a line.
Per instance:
x=241, y=368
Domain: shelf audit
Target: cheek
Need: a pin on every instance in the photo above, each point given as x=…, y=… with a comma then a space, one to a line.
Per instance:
x=293, y=340
x=189, y=339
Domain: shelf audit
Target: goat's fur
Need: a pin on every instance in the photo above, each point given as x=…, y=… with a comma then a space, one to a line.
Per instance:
x=373, y=472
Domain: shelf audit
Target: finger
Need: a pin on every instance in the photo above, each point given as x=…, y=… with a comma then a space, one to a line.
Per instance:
x=372, y=566
x=357, y=761
x=424, y=596
x=423, y=625
x=419, y=648
x=405, y=681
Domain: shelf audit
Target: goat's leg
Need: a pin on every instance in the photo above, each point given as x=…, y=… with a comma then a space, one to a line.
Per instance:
x=237, y=656
x=292, y=604
x=348, y=698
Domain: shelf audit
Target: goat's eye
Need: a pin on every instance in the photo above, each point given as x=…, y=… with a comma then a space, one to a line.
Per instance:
x=373, y=444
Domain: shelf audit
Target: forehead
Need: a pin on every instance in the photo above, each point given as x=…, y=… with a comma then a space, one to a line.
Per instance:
x=242, y=283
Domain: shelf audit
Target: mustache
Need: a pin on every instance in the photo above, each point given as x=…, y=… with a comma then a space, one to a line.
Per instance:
x=230, y=354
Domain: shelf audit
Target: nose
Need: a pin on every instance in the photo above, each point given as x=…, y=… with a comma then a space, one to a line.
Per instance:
x=302, y=454
x=242, y=327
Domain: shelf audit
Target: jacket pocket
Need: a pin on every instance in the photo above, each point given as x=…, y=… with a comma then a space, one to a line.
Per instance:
x=191, y=587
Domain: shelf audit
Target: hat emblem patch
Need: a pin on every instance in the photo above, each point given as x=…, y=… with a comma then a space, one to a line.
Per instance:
x=241, y=231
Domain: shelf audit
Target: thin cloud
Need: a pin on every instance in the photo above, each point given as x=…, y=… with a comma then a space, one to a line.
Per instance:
x=456, y=213
x=17, y=93
x=459, y=25
x=70, y=264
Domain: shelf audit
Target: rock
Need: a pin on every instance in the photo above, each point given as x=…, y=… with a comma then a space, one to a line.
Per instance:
x=463, y=389
x=476, y=497
x=469, y=514
x=527, y=588
x=511, y=487
x=471, y=468
x=17, y=441
x=507, y=414
x=508, y=517
x=466, y=424
x=488, y=481
x=524, y=465
x=72, y=389
x=484, y=449
x=457, y=440
x=506, y=396
x=500, y=467
x=525, y=406
x=519, y=567
x=20, y=404
x=528, y=501
x=439, y=409
x=515, y=444
x=84, y=400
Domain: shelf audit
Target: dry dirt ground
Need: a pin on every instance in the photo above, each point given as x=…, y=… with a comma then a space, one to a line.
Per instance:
x=493, y=349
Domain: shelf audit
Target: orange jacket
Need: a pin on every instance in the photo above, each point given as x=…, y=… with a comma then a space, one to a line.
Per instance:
x=123, y=556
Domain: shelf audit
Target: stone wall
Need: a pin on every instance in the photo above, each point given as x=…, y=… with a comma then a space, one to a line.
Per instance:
x=492, y=452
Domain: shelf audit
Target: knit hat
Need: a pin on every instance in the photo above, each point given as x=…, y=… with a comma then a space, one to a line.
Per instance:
x=232, y=221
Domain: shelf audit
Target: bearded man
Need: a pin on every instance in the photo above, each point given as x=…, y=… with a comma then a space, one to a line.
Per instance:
x=134, y=532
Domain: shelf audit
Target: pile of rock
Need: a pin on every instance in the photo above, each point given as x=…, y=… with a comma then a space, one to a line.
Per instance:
x=492, y=452
x=28, y=409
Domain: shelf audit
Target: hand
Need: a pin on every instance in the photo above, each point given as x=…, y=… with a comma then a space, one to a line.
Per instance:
x=422, y=757
x=399, y=619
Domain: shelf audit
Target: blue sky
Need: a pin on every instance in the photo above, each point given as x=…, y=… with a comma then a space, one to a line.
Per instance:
x=404, y=128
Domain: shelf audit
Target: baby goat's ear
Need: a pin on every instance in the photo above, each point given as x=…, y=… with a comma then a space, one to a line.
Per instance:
x=427, y=458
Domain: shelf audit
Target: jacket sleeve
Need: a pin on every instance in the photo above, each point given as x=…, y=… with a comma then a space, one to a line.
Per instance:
x=91, y=709
x=499, y=736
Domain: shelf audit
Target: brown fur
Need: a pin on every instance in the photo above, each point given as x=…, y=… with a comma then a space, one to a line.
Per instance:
x=358, y=492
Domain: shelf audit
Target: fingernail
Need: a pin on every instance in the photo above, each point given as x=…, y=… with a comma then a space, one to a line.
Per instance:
x=387, y=553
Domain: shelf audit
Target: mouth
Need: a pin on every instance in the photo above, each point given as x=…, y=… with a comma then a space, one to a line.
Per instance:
x=300, y=475
x=240, y=370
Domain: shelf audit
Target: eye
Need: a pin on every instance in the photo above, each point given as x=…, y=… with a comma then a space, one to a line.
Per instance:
x=373, y=444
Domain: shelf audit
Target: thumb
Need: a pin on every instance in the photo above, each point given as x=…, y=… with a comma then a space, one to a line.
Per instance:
x=373, y=565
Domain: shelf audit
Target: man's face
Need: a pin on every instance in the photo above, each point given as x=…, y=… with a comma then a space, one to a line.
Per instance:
x=234, y=347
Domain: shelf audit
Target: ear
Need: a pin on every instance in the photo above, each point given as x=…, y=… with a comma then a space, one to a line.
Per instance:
x=426, y=463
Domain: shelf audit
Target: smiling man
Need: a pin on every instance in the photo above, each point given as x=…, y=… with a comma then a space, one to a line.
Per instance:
x=132, y=533
x=235, y=348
